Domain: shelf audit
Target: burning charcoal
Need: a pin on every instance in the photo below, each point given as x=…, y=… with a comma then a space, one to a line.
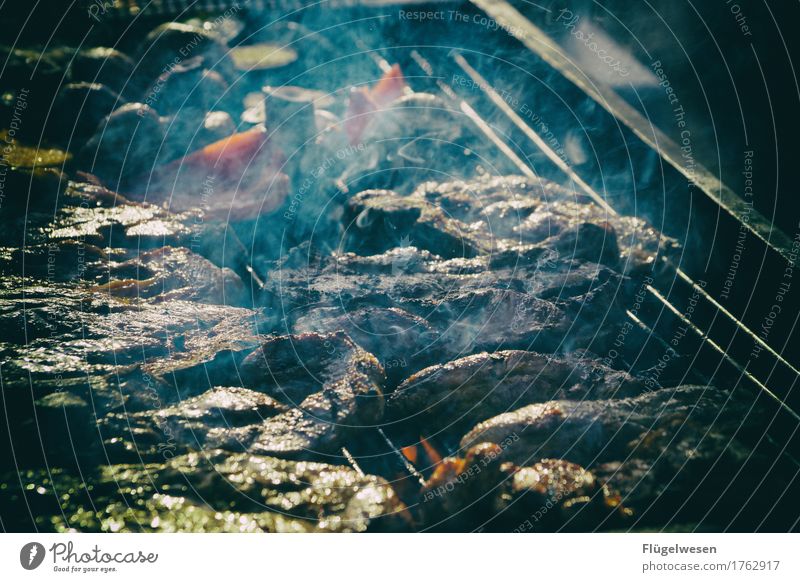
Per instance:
x=595, y=431
x=188, y=85
x=91, y=102
x=187, y=131
x=213, y=491
x=481, y=386
x=378, y=220
x=450, y=308
x=222, y=417
x=125, y=145
x=112, y=351
x=173, y=273
x=334, y=387
x=364, y=102
x=172, y=43
x=554, y=495
x=457, y=490
x=234, y=179
x=480, y=492
x=106, y=66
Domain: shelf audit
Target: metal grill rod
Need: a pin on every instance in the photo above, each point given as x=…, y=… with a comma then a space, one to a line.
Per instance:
x=530, y=133
x=537, y=41
x=742, y=369
x=484, y=86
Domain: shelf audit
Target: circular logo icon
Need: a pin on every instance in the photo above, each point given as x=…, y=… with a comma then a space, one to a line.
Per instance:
x=31, y=555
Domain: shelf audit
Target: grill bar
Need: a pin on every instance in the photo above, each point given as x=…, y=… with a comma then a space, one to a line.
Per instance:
x=787, y=430
x=353, y=463
x=530, y=133
x=717, y=346
x=465, y=107
x=473, y=116
x=412, y=470
x=792, y=373
x=738, y=323
x=541, y=45
x=486, y=87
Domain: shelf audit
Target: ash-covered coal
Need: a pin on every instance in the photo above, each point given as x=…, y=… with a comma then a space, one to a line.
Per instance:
x=411, y=308
x=568, y=465
x=477, y=387
x=498, y=215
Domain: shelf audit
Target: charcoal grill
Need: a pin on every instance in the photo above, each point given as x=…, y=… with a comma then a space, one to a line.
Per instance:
x=694, y=205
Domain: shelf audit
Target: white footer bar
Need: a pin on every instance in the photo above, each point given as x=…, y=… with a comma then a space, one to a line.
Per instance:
x=351, y=558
